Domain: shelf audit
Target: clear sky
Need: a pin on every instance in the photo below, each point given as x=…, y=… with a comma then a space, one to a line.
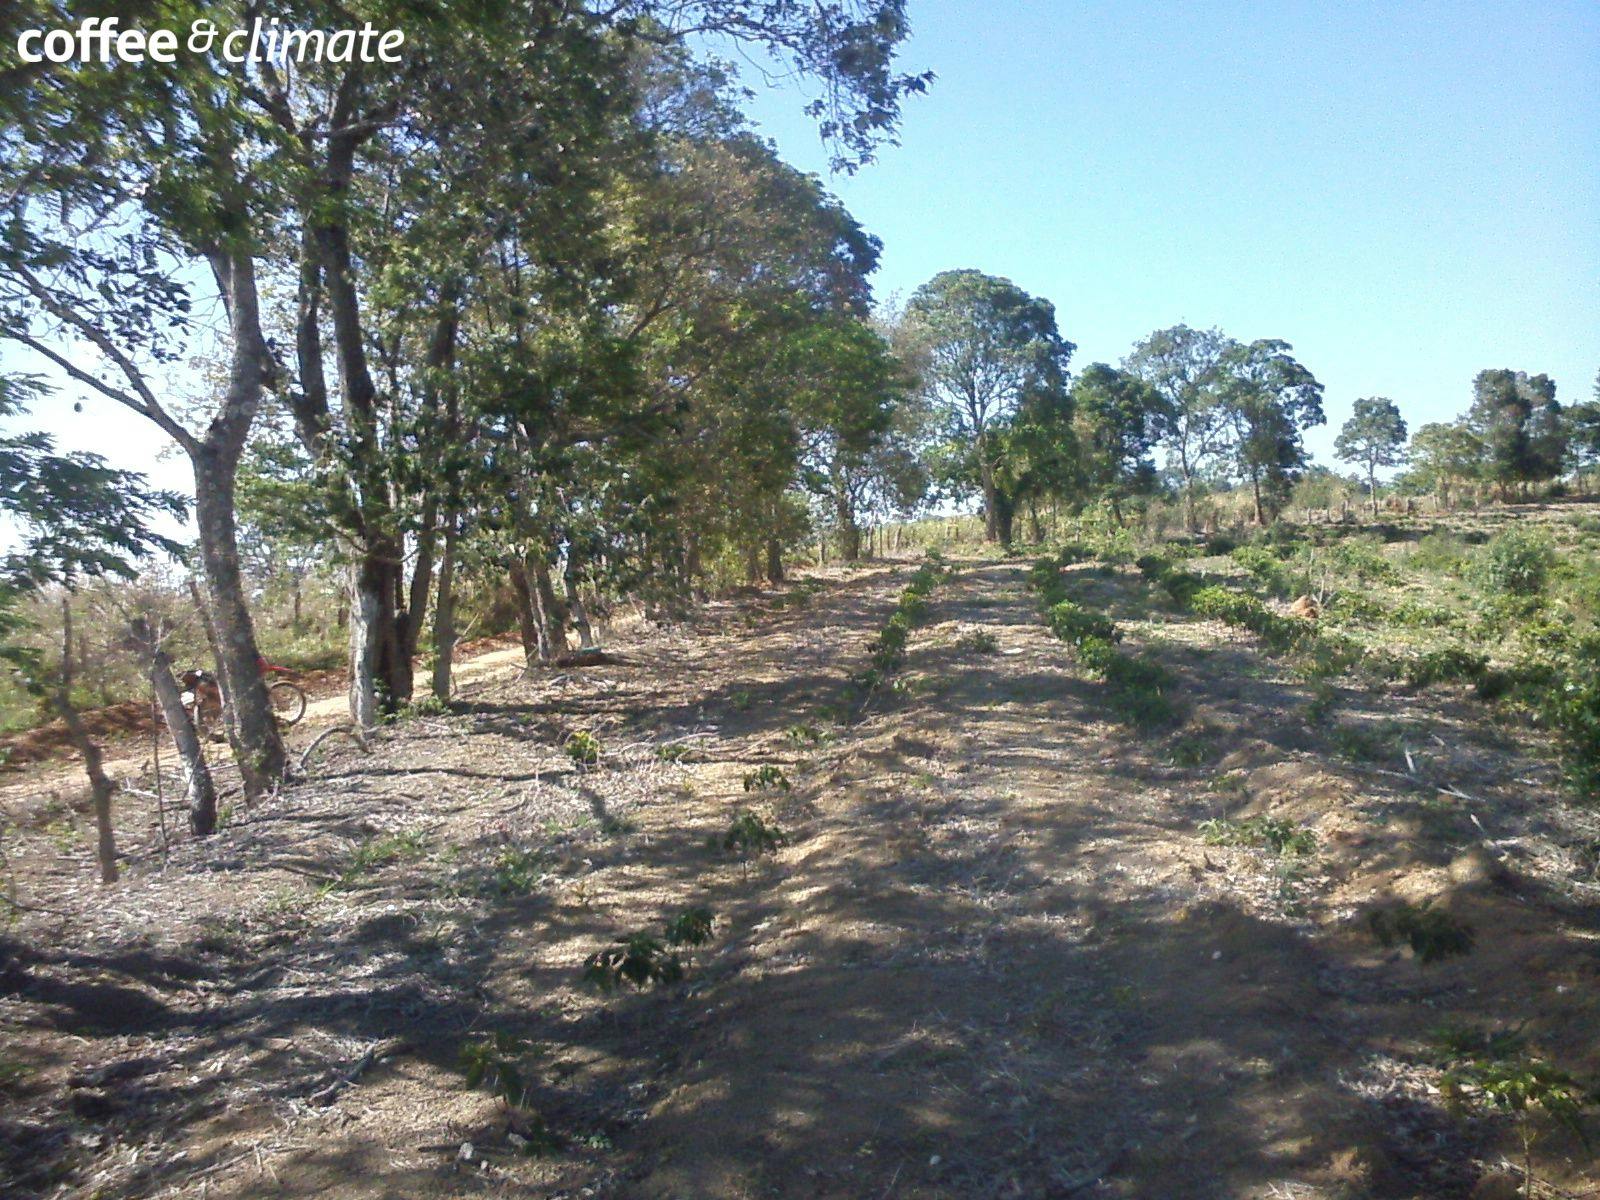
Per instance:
x=1408, y=192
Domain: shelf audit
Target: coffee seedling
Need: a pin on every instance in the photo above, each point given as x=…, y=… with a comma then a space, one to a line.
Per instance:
x=1491, y=1070
x=750, y=837
x=583, y=748
x=493, y=1061
x=638, y=959
x=1431, y=933
x=673, y=752
x=767, y=778
x=691, y=927
x=1268, y=833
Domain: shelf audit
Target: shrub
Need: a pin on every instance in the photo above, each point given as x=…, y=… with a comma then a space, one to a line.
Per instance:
x=1267, y=569
x=638, y=959
x=1572, y=707
x=1445, y=663
x=766, y=778
x=1282, y=838
x=1440, y=552
x=979, y=641
x=583, y=748
x=1516, y=562
x=750, y=835
x=1431, y=933
x=1074, y=624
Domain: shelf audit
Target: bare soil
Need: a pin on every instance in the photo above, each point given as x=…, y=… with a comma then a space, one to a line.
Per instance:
x=995, y=958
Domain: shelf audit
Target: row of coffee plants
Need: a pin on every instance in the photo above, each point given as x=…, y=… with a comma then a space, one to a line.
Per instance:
x=1139, y=688
x=889, y=647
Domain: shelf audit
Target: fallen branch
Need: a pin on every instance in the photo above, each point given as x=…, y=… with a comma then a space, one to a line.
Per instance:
x=374, y=1054
x=350, y=730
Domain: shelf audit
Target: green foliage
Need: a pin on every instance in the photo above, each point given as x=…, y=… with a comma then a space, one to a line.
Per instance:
x=1445, y=663
x=1281, y=837
x=750, y=836
x=1571, y=705
x=1515, y=563
x=979, y=641
x=806, y=734
x=494, y=1061
x=1074, y=624
x=517, y=870
x=1267, y=568
x=1235, y=608
x=381, y=852
x=673, y=752
x=1441, y=553
x=691, y=927
x=639, y=959
x=583, y=748
x=1432, y=933
x=643, y=960
x=767, y=777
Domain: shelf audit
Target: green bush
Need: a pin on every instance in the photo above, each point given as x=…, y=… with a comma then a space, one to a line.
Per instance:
x=1440, y=552
x=1281, y=837
x=1267, y=569
x=1572, y=707
x=1445, y=663
x=1073, y=624
x=1431, y=933
x=1516, y=563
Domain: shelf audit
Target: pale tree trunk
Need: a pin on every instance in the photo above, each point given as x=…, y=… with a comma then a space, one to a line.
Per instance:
x=444, y=616
x=252, y=728
x=1372, y=489
x=528, y=626
x=580, y=615
x=101, y=789
x=552, y=614
x=200, y=793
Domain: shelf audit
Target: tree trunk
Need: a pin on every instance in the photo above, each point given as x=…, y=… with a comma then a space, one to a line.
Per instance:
x=200, y=793
x=444, y=617
x=100, y=787
x=1255, y=491
x=1033, y=520
x=1004, y=512
x=580, y=616
x=774, y=560
x=421, y=579
x=1372, y=488
x=552, y=614
x=252, y=727
x=528, y=631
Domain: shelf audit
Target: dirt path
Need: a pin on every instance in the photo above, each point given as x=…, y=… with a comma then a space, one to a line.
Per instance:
x=994, y=960
x=990, y=969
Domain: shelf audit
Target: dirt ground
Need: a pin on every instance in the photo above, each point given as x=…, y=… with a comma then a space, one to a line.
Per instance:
x=995, y=958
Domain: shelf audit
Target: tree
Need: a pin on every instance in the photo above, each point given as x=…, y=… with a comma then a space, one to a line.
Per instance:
x=1118, y=418
x=1267, y=399
x=1516, y=419
x=1443, y=457
x=1185, y=367
x=74, y=518
x=1583, y=435
x=987, y=348
x=1374, y=436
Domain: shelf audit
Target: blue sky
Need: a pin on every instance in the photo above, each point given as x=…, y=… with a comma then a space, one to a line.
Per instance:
x=1408, y=193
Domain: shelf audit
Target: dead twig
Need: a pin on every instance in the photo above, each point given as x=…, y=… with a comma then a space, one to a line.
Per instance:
x=349, y=730
x=374, y=1054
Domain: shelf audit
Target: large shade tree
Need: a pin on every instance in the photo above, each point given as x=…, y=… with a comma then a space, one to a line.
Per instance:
x=989, y=353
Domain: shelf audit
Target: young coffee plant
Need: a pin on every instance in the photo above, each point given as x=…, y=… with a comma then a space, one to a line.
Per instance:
x=1432, y=933
x=1491, y=1070
x=642, y=960
x=768, y=778
x=1273, y=834
x=583, y=748
x=639, y=959
x=673, y=752
x=749, y=836
x=691, y=927
x=494, y=1061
